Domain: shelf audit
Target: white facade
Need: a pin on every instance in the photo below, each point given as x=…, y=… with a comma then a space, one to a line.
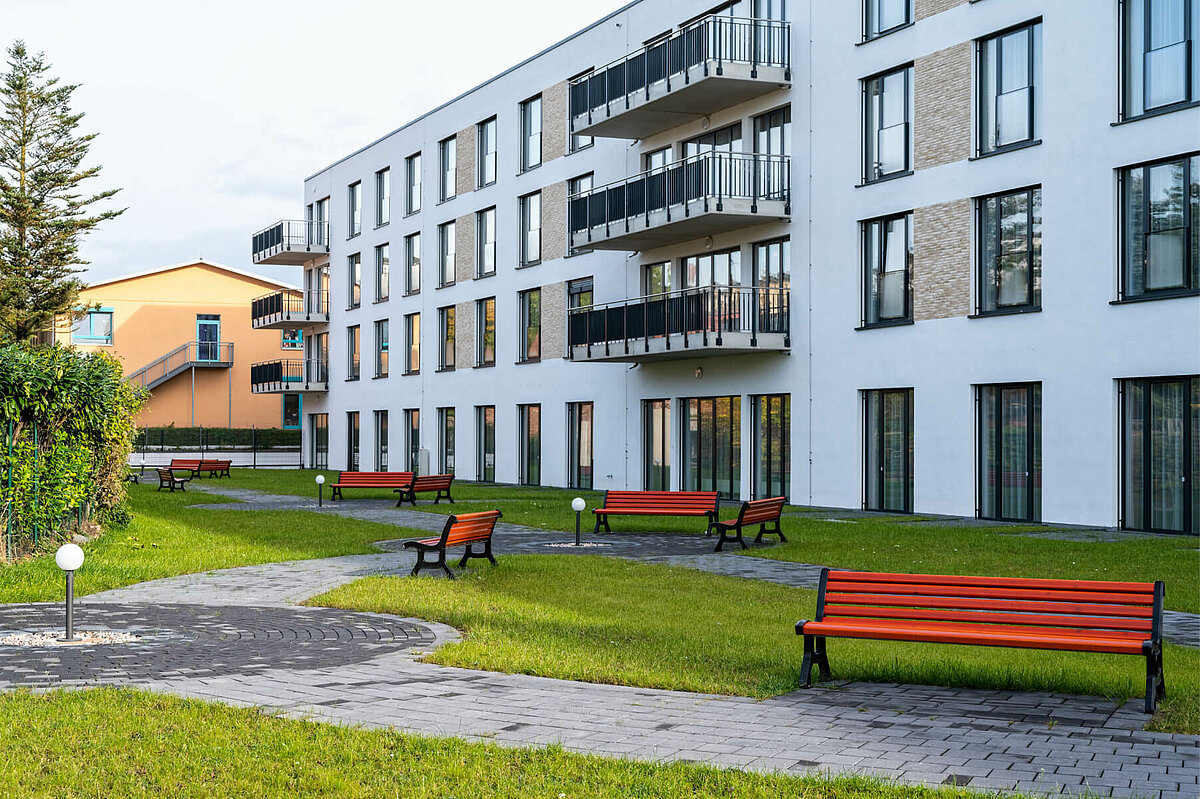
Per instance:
x=1077, y=344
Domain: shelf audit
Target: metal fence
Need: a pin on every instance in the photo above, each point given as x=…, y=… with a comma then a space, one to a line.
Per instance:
x=33, y=513
x=251, y=447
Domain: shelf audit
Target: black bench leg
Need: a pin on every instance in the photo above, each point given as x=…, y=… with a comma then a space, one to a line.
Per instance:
x=806, y=664
x=601, y=520
x=1156, y=687
x=821, y=658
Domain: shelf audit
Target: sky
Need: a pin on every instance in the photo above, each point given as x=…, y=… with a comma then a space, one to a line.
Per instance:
x=211, y=114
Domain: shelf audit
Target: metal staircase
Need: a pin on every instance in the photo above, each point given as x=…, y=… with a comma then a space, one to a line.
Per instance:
x=192, y=355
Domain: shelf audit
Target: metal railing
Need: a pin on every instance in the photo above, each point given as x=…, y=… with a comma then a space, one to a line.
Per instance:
x=710, y=42
x=189, y=354
x=704, y=314
x=711, y=177
x=275, y=305
x=290, y=234
x=279, y=375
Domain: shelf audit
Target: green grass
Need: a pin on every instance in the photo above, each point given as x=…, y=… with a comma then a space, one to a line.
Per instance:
x=609, y=621
x=143, y=745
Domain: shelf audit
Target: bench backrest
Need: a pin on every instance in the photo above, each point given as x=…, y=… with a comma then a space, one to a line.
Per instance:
x=215, y=464
x=185, y=463
x=375, y=479
x=757, y=511
x=1116, y=609
x=432, y=482
x=685, y=501
x=465, y=528
x=165, y=474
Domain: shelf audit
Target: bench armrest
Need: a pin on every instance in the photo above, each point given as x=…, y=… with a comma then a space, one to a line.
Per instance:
x=800, y=626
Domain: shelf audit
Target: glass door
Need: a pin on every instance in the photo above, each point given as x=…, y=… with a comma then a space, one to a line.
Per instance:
x=772, y=443
x=1010, y=452
x=712, y=445
x=889, y=450
x=1160, y=443
x=208, y=337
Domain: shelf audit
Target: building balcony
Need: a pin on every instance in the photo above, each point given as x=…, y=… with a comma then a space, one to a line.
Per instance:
x=289, y=376
x=287, y=310
x=693, y=323
x=290, y=242
x=699, y=196
x=714, y=63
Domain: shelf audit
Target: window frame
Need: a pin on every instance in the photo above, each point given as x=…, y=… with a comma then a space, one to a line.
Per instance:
x=447, y=253
x=481, y=328
x=354, y=281
x=1190, y=225
x=383, y=196
x=482, y=155
x=482, y=443
x=354, y=209
x=1190, y=524
x=527, y=230
x=1033, y=278
x=481, y=242
x=412, y=184
x=446, y=443
x=868, y=171
x=527, y=119
x=412, y=264
x=90, y=338
x=528, y=327
x=982, y=150
x=353, y=352
x=871, y=300
x=1035, y=399
x=412, y=343
x=1191, y=10
x=869, y=36
x=381, y=347
x=447, y=169
x=383, y=272
x=867, y=426
x=526, y=446
x=447, y=338
x=381, y=440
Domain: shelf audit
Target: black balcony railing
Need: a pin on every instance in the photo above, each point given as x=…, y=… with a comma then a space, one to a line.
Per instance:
x=710, y=42
x=290, y=235
x=282, y=375
x=711, y=177
x=309, y=306
x=701, y=316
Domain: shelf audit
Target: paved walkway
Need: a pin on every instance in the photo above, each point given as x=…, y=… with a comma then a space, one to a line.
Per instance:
x=235, y=636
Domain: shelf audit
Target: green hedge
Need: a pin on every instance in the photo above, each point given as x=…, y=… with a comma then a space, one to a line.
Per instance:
x=156, y=438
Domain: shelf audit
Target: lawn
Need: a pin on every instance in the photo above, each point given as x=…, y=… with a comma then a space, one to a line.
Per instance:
x=143, y=745
x=609, y=621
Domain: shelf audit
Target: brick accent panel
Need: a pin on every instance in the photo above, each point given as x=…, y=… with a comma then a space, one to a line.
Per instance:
x=464, y=248
x=554, y=121
x=465, y=154
x=464, y=335
x=554, y=320
x=942, y=92
x=927, y=8
x=941, y=280
x=554, y=221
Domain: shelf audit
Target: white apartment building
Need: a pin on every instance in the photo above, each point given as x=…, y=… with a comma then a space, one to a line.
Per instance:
x=905, y=255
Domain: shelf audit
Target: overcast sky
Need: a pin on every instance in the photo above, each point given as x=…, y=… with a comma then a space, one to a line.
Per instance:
x=211, y=114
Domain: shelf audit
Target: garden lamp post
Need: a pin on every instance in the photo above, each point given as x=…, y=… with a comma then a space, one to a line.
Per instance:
x=577, y=505
x=69, y=557
x=320, y=489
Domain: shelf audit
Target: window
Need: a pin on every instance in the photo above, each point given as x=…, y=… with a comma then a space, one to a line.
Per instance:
x=529, y=422
x=531, y=229
x=579, y=293
x=531, y=133
x=318, y=214
x=448, y=168
x=888, y=450
x=1160, y=229
x=1160, y=65
x=412, y=431
x=712, y=445
x=318, y=428
x=530, y=303
x=291, y=412
x=726, y=140
x=446, y=246
x=576, y=186
x=1010, y=74
x=1010, y=252
x=884, y=16
x=445, y=440
x=656, y=445
x=381, y=441
x=316, y=363
x=1010, y=452
x=887, y=270
x=354, y=280
x=773, y=132
x=383, y=197
x=485, y=443
x=772, y=445
x=887, y=114
x=352, y=441
x=354, y=206
x=352, y=352
x=381, y=348
x=291, y=339
x=712, y=269
x=485, y=325
x=446, y=336
x=656, y=278
x=412, y=259
x=579, y=447
x=382, y=272
x=96, y=327
x=485, y=242
x=485, y=135
x=412, y=343
x=1160, y=454
x=773, y=278
x=657, y=159
x=412, y=171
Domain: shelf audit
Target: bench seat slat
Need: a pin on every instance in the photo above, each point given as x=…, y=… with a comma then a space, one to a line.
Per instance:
x=955, y=627
x=987, y=592
x=1015, y=640
x=1009, y=582
x=1110, y=623
x=1081, y=608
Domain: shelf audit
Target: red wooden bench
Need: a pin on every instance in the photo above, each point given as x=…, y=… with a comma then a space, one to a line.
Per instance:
x=215, y=468
x=425, y=483
x=167, y=479
x=758, y=511
x=391, y=480
x=189, y=465
x=463, y=530
x=1065, y=615
x=657, y=503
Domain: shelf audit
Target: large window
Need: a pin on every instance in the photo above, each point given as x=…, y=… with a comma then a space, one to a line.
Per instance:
x=412, y=343
x=529, y=425
x=485, y=242
x=1160, y=65
x=412, y=432
x=712, y=445
x=352, y=441
x=381, y=348
x=447, y=168
x=773, y=271
x=1010, y=76
x=885, y=16
x=485, y=443
x=485, y=135
x=291, y=411
x=412, y=193
x=445, y=440
x=354, y=208
x=354, y=280
x=531, y=229
x=887, y=270
x=352, y=352
x=485, y=332
x=712, y=269
x=1010, y=452
x=531, y=133
x=887, y=116
x=888, y=450
x=1160, y=229
x=656, y=445
x=318, y=436
x=291, y=338
x=412, y=264
x=96, y=327
x=530, y=303
x=579, y=293
x=446, y=336
x=579, y=445
x=383, y=268
x=773, y=132
x=772, y=446
x=656, y=278
x=383, y=197
x=381, y=441
x=1010, y=252
x=1160, y=448
x=446, y=245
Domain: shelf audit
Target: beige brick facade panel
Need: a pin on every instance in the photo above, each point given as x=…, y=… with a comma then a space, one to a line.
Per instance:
x=942, y=117
x=941, y=279
x=464, y=335
x=464, y=248
x=554, y=121
x=465, y=164
x=554, y=320
x=927, y=8
x=554, y=221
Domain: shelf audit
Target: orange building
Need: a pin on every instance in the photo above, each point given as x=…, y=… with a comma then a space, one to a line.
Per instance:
x=185, y=332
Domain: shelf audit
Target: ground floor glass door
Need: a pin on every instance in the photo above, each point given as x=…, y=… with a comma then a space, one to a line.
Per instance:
x=1160, y=446
x=772, y=445
x=1010, y=452
x=888, y=450
x=656, y=445
x=712, y=445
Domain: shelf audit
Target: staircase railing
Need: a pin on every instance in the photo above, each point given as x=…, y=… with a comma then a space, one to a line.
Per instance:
x=193, y=352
